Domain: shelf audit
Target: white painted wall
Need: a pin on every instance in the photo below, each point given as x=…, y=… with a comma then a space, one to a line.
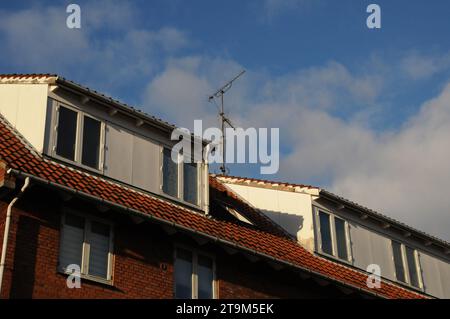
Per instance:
x=436, y=275
x=24, y=106
x=291, y=210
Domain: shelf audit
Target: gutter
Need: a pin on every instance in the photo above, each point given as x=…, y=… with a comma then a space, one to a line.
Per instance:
x=189, y=230
x=7, y=226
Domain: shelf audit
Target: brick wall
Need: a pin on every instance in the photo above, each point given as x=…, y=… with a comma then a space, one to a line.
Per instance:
x=143, y=259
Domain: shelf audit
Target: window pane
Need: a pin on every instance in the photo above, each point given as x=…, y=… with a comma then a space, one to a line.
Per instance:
x=71, y=250
x=183, y=274
x=99, y=249
x=325, y=233
x=91, y=142
x=205, y=277
x=412, y=266
x=170, y=174
x=398, y=261
x=67, y=133
x=341, y=238
x=190, y=188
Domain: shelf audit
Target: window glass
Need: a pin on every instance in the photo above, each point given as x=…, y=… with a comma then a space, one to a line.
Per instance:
x=412, y=267
x=99, y=249
x=170, y=174
x=341, y=238
x=205, y=277
x=67, y=133
x=183, y=274
x=72, y=241
x=325, y=233
x=91, y=142
x=398, y=261
x=190, y=189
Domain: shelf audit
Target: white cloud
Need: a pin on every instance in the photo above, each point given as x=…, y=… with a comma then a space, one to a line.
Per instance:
x=419, y=66
x=37, y=40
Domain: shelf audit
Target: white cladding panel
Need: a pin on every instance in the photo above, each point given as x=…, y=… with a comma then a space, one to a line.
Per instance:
x=146, y=164
x=132, y=158
x=369, y=247
x=118, y=153
x=436, y=276
x=290, y=210
x=24, y=106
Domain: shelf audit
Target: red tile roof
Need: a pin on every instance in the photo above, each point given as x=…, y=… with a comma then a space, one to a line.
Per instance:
x=18, y=155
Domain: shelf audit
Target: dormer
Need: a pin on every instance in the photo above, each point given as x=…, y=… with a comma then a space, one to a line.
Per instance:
x=82, y=128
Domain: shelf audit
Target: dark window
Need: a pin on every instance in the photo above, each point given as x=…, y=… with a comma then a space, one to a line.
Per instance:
x=325, y=233
x=183, y=274
x=99, y=249
x=67, y=133
x=91, y=142
x=412, y=267
x=170, y=174
x=205, y=277
x=341, y=238
x=72, y=241
x=190, y=189
x=398, y=261
x=86, y=246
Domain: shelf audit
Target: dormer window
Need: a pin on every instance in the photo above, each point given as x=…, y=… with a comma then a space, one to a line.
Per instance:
x=78, y=138
x=180, y=180
x=333, y=238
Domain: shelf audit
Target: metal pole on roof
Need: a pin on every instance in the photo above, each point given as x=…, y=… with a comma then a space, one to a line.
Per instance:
x=223, y=119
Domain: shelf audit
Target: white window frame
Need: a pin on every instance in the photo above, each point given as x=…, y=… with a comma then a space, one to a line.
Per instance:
x=180, y=180
x=84, y=267
x=334, y=254
x=406, y=266
x=79, y=138
x=194, y=276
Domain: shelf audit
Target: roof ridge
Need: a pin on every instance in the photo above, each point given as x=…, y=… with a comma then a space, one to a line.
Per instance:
x=259, y=180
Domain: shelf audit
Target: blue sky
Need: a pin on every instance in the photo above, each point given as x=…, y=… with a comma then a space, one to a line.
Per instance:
x=360, y=112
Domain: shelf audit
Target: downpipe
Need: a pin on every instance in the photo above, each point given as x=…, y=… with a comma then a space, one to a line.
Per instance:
x=7, y=226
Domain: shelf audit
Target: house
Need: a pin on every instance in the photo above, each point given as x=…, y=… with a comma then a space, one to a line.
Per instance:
x=341, y=230
x=86, y=180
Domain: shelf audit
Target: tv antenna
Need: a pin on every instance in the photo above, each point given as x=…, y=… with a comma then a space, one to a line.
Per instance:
x=224, y=119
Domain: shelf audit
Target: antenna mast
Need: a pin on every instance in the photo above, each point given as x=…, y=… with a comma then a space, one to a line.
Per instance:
x=223, y=119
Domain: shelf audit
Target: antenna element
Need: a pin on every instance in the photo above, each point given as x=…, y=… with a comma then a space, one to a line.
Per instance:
x=223, y=119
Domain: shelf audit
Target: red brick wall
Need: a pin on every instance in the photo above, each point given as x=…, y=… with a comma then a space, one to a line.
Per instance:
x=143, y=264
x=2, y=172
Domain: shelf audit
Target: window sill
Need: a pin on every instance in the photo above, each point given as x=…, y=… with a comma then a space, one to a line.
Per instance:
x=72, y=163
x=98, y=280
x=182, y=202
x=409, y=286
x=334, y=258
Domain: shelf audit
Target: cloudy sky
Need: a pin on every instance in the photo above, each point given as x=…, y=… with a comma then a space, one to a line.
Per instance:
x=363, y=113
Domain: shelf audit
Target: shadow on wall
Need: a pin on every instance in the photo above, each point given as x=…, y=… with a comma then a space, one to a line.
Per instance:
x=292, y=223
x=25, y=258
